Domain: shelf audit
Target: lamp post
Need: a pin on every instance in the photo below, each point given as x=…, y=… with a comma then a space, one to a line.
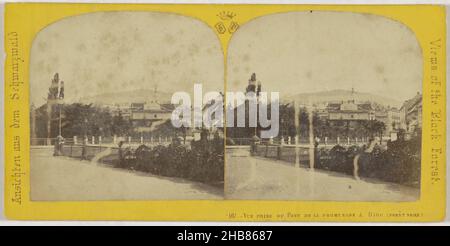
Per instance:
x=85, y=130
x=60, y=128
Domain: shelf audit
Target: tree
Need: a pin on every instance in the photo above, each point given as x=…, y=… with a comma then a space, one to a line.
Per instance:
x=380, y=127
x=120, y=126
x=80, y=120
x=374, y=128
x=86, y=119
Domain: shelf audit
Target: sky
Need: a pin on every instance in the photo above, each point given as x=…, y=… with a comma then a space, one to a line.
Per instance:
x=294, y=52
x=112, y=51
x=302, y=52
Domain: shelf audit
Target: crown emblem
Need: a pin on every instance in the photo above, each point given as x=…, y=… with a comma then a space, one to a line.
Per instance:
x=226, y=15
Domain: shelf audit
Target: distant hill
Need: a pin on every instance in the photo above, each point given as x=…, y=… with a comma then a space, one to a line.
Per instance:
x=125, y=97
x=342, y=95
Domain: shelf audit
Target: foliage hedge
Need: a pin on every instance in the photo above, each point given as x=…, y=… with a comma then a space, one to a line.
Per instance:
x=203, y=162
x=398, y=163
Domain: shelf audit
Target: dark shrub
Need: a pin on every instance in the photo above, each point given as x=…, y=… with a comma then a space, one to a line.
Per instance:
x=157, y=159
x=126, y=158
x=338, y=160
x=143, y=159
x=204, y=162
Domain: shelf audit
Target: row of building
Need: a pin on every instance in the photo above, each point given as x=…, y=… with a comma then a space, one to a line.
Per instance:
x=145, y=116
x=408, y=117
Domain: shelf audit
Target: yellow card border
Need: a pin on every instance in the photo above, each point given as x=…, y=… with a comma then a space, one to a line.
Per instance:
x=24, y=20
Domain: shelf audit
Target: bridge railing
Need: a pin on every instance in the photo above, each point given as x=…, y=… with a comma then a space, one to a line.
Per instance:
x=324, y=141
x=239, y=141
x=101, y=140
x=48, y=141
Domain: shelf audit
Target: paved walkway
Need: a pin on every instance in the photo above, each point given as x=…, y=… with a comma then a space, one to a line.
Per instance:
x=68, y=179
x=260, y=178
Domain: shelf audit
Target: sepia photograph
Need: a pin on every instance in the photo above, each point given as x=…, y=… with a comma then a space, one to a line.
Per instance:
x=350, y=109
x=101, y=87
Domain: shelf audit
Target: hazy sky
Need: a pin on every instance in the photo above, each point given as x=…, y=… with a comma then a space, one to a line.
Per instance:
x=111, y=51
x=300, y=52
x=290, y=52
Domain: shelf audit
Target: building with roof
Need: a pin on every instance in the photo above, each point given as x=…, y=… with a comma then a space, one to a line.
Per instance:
x=145, y=116
x=411, y=114
x=347, y=111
